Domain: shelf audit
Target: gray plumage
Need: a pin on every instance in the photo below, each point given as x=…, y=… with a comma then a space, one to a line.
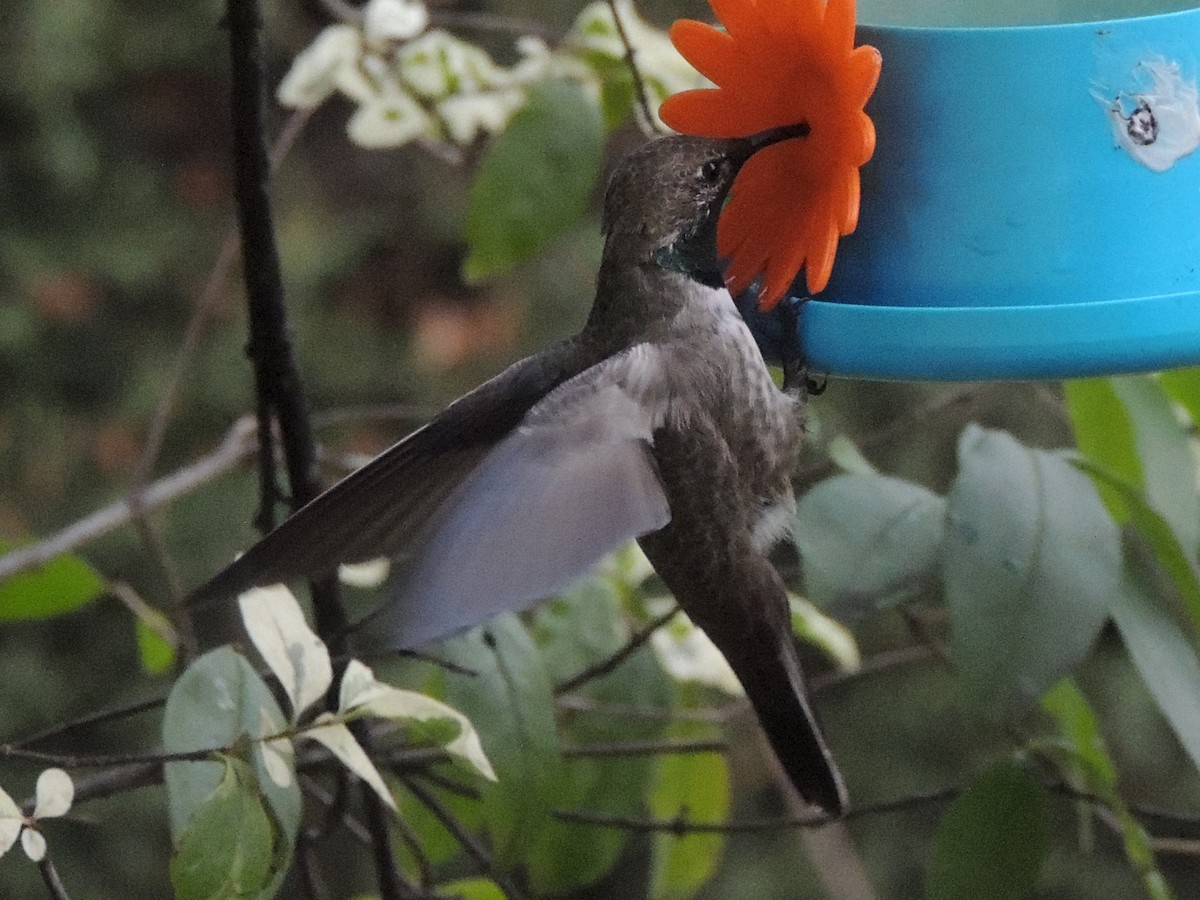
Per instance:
x=658, y=421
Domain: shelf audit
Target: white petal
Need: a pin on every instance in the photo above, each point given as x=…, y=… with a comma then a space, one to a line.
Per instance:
x=314, y=73
x=299, y=658
x=341, y=743
x=55, y=792
x=394, y=20
x=467, y=115
x=370, y=574
x=438, y=64
x=11, y=822
x=391, y=119
x=34, y=844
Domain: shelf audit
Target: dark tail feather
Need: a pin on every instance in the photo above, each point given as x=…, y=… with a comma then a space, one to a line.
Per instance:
x=775, y=688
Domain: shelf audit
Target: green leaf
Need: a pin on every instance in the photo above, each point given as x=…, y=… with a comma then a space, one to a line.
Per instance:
x=217, y=700
x=696, y=786
x=1183, y=386
x=510, y=700
x=1077, y=722
x=579, y=629
x=869, y=541
x=63, y=584
x=1164, y=657
x=1092, y=768
x=1032, y=558
x=156, y=654
x=535, y=181
x=1135, y=509
x=992, y=841
x=1104, y=433
x=472, y=889
x=226, y=850
x=1165, y=451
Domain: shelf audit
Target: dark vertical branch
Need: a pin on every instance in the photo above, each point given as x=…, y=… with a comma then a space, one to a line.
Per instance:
x=277, y=380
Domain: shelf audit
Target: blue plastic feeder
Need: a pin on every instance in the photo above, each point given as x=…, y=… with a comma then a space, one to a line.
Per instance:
x=1033, y=206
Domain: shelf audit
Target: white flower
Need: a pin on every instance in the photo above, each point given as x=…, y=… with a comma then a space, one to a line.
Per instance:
x=321, y=67
x=466, y=115
x=437, y=64
x=389, y=119
x=54, y=795
x=387, y=21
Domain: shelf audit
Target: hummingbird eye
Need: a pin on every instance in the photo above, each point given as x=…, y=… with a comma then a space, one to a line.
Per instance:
x=710, y=171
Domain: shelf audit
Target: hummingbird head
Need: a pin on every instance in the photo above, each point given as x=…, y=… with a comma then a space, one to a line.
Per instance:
x=668, y=191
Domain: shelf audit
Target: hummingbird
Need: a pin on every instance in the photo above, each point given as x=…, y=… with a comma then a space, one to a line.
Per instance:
x=658, y=421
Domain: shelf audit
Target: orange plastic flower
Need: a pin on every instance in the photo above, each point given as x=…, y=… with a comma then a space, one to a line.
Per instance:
x=782, y=63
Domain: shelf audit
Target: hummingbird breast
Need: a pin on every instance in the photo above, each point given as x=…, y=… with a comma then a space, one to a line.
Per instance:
x=718, y=374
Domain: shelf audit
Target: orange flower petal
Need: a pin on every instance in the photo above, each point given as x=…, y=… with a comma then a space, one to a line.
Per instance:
x=714, y=53
x=839, y=24
x=822, y=247
x=715, y=114
x=849, y=219
x=861, y=75
x=741, y=18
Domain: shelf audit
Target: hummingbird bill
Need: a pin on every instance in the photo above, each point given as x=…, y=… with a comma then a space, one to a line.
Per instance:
x=658, y=421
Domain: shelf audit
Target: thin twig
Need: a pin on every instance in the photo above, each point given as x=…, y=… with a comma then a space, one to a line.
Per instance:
x=872, y=665
x=71, y=761
x=577, y=703
x=448, y=784
x=50, y=876
x=649, y=123
x=91, y=719
x=607, y=665
x=643, y=748
x=235, y=449
x=470, y=844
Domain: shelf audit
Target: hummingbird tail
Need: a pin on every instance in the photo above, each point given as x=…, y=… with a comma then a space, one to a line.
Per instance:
x=775, y=687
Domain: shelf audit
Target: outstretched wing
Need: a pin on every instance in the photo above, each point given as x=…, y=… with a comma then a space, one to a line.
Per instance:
x=506, y=497
x=572, y=483
x=385, y=507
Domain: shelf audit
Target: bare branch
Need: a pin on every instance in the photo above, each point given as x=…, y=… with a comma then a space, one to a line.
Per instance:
x=235, y=449
x=53, y=882
x=648, y=121
x=470, y=844
x=70, y=761
x=605, y=666
x=643, y=748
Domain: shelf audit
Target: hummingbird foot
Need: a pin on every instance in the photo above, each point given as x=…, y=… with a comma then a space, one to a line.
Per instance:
x=798, y=381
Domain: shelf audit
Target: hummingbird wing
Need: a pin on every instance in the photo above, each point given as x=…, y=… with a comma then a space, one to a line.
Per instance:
x=507, y=496
x=573, y=482
x=384, y=508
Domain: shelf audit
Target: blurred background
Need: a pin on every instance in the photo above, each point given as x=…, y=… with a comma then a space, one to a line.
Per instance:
x=115, y=199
